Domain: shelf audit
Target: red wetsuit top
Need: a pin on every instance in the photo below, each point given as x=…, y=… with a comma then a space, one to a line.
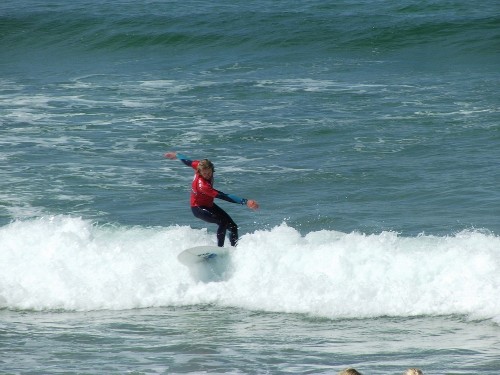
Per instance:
x=202, y=191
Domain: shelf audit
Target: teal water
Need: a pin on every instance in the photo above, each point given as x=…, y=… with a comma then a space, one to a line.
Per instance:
x=209, y=340
x=367, y=119
x=368, y=132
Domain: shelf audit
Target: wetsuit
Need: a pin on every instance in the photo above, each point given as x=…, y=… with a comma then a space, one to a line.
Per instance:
x=204, y=208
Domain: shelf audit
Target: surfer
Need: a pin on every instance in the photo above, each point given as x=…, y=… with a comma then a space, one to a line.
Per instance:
x=203, y=195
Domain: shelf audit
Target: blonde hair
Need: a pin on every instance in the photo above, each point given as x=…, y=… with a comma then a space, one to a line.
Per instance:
x=349, y=371
x=413, y=371
x=205, y=164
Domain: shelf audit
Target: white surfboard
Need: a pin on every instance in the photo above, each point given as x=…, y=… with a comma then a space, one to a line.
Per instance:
x=207, y=263
x=199, y=254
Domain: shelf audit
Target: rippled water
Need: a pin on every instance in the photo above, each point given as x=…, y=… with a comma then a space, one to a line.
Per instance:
x=207, y=339
x=368, y=132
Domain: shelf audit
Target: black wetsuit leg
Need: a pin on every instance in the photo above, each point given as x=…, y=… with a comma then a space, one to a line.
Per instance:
x=217, y=215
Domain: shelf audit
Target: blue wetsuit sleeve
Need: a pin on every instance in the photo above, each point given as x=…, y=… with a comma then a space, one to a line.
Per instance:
x=184, y=159
x=231, y=198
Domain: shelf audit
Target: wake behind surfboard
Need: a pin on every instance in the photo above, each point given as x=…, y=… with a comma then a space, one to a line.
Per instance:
x=206, y=263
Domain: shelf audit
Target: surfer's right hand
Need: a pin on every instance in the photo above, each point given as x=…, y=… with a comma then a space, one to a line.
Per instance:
x=170, y=155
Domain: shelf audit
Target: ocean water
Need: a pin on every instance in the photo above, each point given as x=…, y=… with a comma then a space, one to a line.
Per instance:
x=369, y=132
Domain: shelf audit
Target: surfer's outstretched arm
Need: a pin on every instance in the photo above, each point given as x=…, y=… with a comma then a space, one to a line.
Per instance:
x=209, y=190
x=176, y=155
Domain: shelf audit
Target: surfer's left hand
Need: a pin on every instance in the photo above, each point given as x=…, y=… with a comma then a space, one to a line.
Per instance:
x=252, y=204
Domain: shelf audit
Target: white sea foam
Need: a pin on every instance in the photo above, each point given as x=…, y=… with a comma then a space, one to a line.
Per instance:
x=313, y=85
x=70, y=263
